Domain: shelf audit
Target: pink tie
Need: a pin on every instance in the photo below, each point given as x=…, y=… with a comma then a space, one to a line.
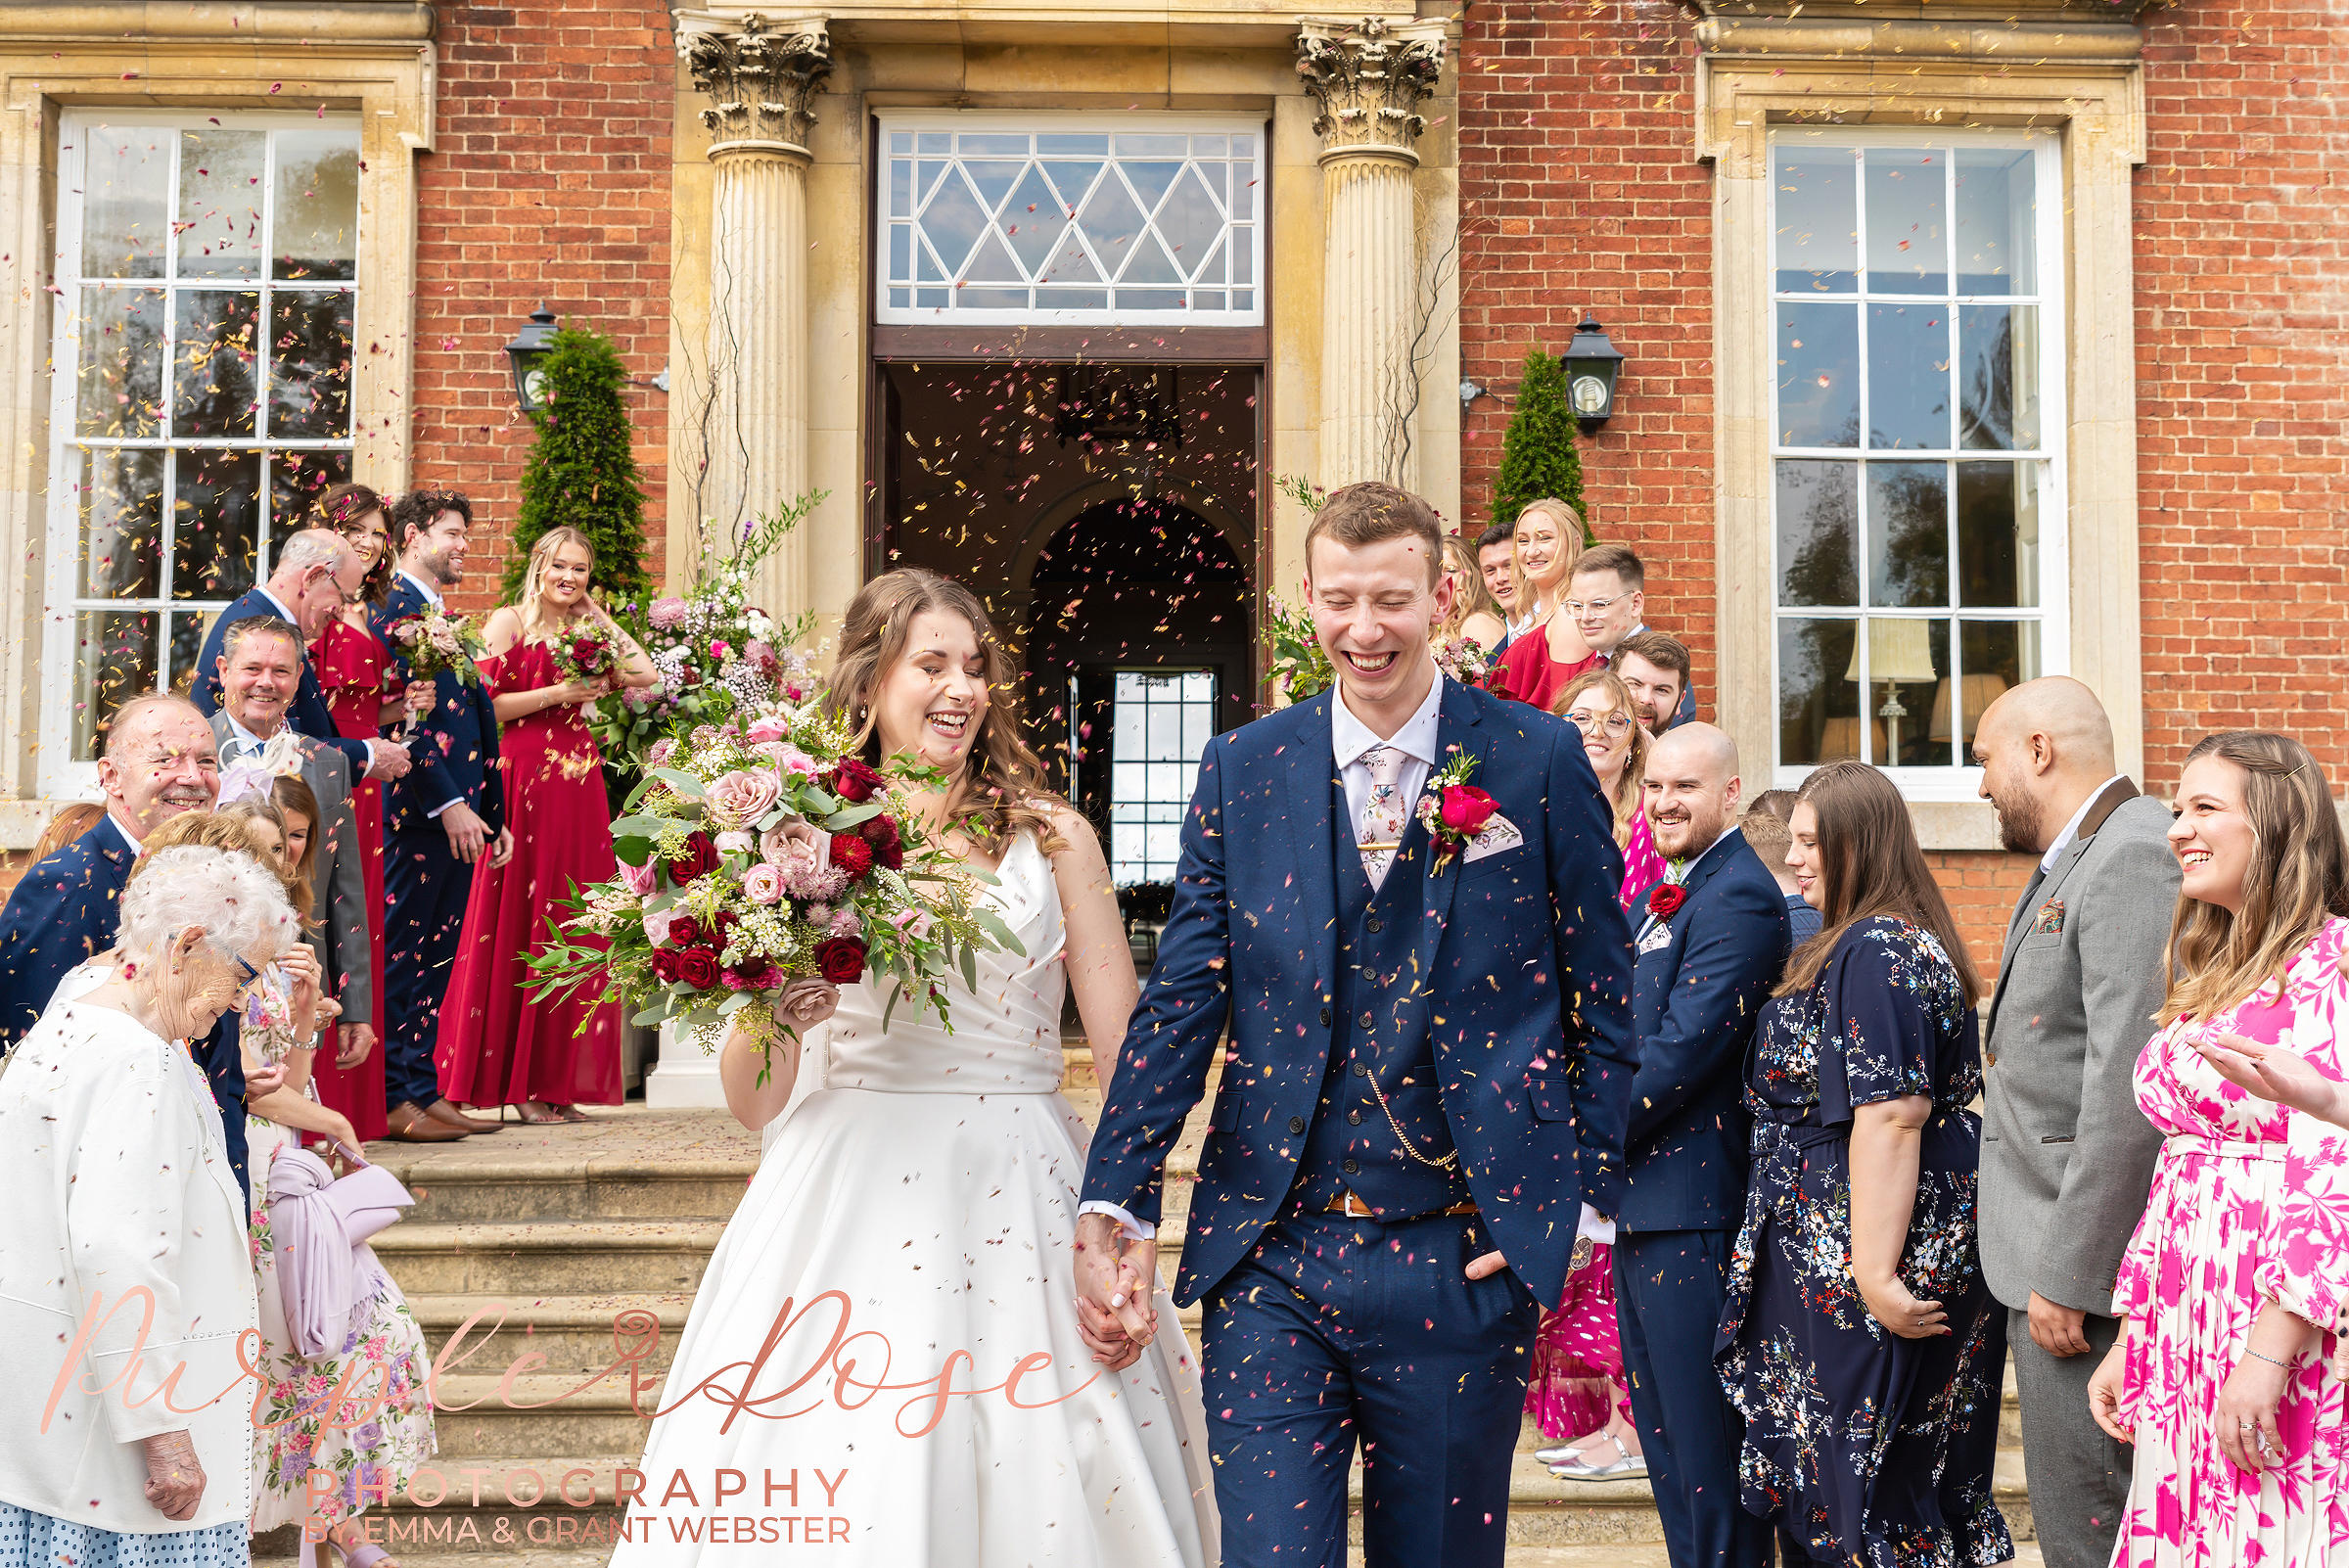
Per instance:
x=1383, y=814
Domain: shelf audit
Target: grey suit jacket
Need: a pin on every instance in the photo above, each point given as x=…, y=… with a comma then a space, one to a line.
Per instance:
x=2067, y=1158
x=341, y=879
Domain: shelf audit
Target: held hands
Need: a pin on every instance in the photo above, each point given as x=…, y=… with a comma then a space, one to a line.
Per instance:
x=2274, y=1073
x=1890, y=1304
x=1116, y=1278
x=2105, y=1393
x=387, y=760
x=174, y=1476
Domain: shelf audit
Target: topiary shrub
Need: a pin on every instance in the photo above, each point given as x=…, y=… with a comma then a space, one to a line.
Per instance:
x=582, y=472
x=1538, y=454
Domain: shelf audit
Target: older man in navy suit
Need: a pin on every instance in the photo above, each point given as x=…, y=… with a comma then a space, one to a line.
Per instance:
x=1712, y=943
x=1430, y=1062
x=317, y=571
x=159, y=763
x=438, y=821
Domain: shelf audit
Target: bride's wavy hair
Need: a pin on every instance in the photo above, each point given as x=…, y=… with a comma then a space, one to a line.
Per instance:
x=1001, y=791
x=2296, y=879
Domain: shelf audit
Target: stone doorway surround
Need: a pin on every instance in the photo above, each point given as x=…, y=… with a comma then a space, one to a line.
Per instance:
x=773, y=331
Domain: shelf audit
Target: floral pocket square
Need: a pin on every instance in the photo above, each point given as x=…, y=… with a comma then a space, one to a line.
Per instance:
x=1496, y=835
x=2050, y=920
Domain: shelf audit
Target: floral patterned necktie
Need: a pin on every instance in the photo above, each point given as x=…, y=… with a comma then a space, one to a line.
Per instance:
x=1383, y=814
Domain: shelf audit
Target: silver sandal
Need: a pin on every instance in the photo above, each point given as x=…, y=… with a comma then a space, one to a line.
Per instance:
x=1629, y=1466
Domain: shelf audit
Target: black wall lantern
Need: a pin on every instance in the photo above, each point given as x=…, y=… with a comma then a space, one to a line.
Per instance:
x=1593, y=365
x=530, y=345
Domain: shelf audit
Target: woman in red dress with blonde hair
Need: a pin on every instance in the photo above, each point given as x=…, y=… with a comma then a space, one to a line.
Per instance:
x=498, y=1046
x=353, y=669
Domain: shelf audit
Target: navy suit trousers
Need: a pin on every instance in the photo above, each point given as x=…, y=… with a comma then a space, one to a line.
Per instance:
x=1669, y=1286
x=1334, y=1330
x=425, y=887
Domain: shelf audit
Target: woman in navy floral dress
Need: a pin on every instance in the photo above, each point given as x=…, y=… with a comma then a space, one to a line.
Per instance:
x=1859, y=1341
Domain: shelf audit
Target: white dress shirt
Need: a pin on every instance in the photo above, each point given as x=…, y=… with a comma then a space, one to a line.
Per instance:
x=2071, y=829
x=1350, y=739
x=432, y=595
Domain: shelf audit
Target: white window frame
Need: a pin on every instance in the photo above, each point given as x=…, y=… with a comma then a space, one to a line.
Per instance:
x=1077, y=124
x=2054, y=611
x=61, y=773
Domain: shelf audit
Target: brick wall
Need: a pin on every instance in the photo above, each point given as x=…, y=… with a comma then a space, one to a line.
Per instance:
x=1982, y=886
x=2242, y=310
x=1578, y=194
x=550, y=183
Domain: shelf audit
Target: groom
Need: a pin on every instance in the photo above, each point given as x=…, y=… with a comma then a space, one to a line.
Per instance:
x=1427, y=1083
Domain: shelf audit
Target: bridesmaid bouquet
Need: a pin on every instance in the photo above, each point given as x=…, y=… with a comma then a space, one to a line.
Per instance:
x=759, y=863
x=587, y=652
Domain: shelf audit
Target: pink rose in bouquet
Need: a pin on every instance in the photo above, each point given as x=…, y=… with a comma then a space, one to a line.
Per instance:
x=736, y=842
x=766, y=727
x=738, y=800
x=762, y=884
x=641, y=880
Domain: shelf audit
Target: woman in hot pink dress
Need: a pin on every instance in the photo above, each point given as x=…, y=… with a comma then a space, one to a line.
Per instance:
x=350, y=666
x=1577, y=1382
x=497, y=1045
x=2231, y=1287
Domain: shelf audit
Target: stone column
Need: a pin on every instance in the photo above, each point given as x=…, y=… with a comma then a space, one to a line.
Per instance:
x=762, y=78
x=1369, y=79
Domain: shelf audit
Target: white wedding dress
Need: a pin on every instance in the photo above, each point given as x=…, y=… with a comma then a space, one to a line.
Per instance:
x=931, y=1184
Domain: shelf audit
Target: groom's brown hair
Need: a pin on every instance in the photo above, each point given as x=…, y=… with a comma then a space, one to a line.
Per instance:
x=1372, y=513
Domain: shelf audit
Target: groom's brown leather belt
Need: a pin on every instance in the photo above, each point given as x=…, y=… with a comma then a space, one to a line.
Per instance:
x=1345, y=1203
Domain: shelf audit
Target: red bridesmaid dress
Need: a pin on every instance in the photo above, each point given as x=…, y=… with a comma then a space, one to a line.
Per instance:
x=498, y=1046
x=351, y=666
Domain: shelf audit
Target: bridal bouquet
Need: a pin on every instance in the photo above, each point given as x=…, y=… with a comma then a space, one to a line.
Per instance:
x=1463, y=659
x=759, y=863
x=438, y=643
x=718, y=655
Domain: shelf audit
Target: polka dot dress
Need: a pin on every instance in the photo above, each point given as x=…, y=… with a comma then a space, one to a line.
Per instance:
x=30, y=1540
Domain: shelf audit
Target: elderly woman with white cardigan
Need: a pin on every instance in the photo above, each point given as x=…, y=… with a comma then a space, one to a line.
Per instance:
x=126, y=1284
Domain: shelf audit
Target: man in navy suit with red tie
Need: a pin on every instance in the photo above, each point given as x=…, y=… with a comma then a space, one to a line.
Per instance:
x=1712, y=943
x=1429, y=1069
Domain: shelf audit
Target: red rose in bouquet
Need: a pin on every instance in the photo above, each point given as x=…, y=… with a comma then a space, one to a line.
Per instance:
x=684, y=931
x=664, y=966
x=889, y=846
x=841, y=960
x=697, y=967
x=1665, y=898
x=852, y=854
x=760, y=977
x=697, y=859
x=853, y=781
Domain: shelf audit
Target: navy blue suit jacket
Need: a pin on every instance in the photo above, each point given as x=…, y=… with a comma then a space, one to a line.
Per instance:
x=455, y=749
x=1525, y=951
x=1698, y=993
x=308, y=716
x=63, y=910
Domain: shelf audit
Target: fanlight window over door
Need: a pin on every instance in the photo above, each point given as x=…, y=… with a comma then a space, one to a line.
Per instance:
x=1141, y=218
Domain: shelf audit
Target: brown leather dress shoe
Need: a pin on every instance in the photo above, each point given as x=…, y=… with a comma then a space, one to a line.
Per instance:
x=445, y=1113
x=408, y=1122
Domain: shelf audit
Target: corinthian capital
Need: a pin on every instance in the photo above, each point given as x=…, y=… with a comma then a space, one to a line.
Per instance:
x=1371, y=77
x=761, y=76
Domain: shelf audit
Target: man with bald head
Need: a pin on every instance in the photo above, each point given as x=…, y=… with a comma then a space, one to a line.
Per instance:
x=2067, y=1158
x=1712, y=942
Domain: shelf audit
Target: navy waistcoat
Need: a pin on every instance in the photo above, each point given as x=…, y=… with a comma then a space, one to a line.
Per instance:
x=1380, y=1027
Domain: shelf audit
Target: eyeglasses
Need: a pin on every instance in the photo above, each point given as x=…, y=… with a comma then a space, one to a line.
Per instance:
x=1579, y=608
x=1614, y=726
x=253, y=978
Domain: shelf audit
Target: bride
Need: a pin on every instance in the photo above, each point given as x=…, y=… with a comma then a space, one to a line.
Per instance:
x=887, y=1355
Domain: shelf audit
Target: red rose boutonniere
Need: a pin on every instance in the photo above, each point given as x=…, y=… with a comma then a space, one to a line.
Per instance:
x=1453, y=811
x=1665, y=898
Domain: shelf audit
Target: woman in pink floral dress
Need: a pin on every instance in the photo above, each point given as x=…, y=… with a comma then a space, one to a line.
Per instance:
x=2229, y=1293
